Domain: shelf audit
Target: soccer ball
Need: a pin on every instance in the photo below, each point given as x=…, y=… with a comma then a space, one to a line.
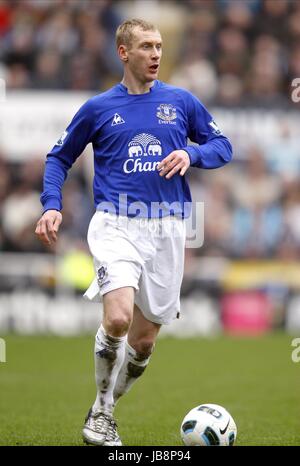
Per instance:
x=208, y=425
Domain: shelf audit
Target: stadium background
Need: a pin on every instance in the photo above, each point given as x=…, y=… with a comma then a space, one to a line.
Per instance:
x=240, y=58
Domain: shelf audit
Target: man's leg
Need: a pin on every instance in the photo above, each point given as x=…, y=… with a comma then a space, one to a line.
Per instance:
x=138, y=349
x=118, y=305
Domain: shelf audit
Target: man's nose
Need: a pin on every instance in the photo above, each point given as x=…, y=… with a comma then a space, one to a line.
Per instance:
x=155, y=53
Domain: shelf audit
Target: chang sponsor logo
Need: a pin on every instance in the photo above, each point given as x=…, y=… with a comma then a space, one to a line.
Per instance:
x=141, y=146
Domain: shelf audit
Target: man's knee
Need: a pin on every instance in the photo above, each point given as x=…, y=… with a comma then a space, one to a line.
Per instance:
x=118, y=310
x=143, y=348
x=117, y=324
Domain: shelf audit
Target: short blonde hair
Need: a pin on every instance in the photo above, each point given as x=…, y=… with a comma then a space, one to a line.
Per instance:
x=124, y=33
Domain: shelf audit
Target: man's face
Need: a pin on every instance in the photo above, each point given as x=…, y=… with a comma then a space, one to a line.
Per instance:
x=144, y=54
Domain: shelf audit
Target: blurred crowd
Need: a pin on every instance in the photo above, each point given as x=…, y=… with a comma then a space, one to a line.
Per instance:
x=20, y=208
x=252, y=208
x=241, y=52
x=229, y=53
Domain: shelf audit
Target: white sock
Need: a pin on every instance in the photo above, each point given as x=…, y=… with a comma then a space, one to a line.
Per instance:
x=132, y=368
x=109, y=355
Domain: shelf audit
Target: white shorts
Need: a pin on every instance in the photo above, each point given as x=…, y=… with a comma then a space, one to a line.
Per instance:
x=146, y=254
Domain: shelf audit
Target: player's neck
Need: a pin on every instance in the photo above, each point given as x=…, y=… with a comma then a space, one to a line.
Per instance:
x=136, y=87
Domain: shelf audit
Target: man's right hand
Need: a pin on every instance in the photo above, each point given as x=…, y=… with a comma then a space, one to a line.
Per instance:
x=47, y=226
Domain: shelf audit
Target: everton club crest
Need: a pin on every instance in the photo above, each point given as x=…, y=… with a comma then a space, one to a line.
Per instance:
x=102, y=274
x=166, y=114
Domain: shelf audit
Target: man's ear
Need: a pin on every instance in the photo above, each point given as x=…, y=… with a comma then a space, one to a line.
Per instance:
x=123, y=53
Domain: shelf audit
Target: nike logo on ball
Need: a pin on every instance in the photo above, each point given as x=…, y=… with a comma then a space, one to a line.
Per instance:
x=222, y=432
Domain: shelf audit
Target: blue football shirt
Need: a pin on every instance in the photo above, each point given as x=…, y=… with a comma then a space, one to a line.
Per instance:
x=131, y=134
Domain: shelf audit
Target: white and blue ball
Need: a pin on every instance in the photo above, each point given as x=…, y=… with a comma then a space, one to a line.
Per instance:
x=208, y=425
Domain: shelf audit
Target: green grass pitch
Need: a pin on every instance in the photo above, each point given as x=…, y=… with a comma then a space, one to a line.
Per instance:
x=47, y=386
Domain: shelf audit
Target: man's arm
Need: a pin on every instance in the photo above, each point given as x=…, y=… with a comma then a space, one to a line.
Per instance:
x=67, y=149
x=212, y=148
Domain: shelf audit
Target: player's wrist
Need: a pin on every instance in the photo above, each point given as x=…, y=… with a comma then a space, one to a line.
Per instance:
x=52, y=204
x=193, y=154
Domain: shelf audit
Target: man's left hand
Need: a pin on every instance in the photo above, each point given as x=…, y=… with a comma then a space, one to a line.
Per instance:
x=178, y=160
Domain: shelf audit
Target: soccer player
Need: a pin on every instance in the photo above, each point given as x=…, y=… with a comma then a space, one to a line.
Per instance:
x=139, y=130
